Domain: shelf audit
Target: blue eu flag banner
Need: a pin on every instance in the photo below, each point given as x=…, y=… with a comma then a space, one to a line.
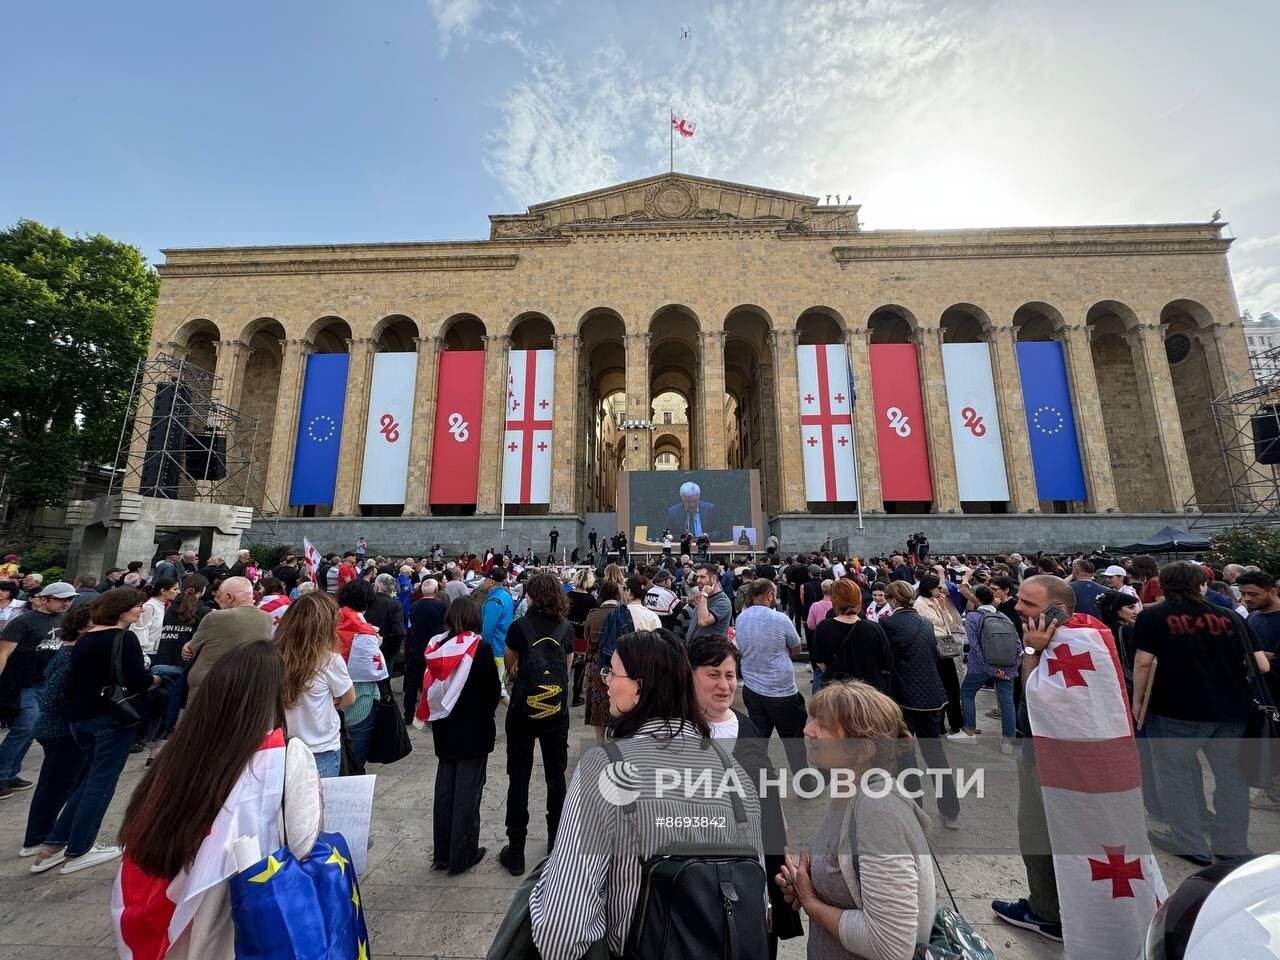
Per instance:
x=289, y=909
x=315, y=455
x=1055, y=451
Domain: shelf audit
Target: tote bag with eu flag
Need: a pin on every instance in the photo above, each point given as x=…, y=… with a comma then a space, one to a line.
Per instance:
x=309, y=908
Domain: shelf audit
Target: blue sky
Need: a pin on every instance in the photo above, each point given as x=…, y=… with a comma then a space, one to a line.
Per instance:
x=282, y=121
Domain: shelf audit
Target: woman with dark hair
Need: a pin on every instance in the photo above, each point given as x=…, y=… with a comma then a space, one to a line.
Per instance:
x=716, y=667
x=609, y=596
x=150, y=631
x=539, y=655
x=224, y=760
x=10, y=605
x=353, y=600
x=630, y=617
x=1119, y=612
x=63, y=764
x=1146, y=572
x=592, y=886
x=71, y=841
x=462, y=693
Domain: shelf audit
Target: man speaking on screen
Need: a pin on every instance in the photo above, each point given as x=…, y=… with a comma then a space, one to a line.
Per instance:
x=694, y=514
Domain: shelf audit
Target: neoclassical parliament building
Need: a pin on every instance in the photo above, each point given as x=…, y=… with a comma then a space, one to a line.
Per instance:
x=676, y=307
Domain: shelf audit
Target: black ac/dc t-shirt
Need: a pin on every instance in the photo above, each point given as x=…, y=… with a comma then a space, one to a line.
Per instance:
x=1200, y=671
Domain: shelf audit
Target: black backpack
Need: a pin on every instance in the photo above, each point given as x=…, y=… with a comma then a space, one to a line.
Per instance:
x=1000, y=640
x=542, y=677
x=699, y=899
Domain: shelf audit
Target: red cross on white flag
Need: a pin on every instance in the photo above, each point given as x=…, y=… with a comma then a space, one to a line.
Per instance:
x=826, y=427
x=526, y=451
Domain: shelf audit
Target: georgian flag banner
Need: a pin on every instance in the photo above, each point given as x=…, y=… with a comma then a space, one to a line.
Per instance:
x=1109, y=884
x=975, y=422
x=682, y=126
x=826, y=430
x=310, y=558
x=366, y=663
x=449, y=662
x=153, y=915
x=526, y=449
x=385, y=472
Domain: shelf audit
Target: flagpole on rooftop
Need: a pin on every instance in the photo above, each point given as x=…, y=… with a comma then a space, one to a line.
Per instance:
x=671, y=136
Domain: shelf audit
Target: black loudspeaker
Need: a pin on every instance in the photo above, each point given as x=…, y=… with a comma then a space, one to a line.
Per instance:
x=167, y=439
x=1266, y=434
x=207, y=456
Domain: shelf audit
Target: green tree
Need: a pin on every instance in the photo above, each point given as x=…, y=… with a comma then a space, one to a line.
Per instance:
x=1256, y=544
x=78, y=314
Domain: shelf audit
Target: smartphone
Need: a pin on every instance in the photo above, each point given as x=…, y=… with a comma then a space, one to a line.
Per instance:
x=1055, y=615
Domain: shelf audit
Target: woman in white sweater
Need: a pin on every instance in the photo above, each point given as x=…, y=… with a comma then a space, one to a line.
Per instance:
x=867, y=881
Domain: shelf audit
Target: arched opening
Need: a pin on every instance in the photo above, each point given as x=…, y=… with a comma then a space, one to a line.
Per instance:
x=892, y=325
x=602, y=365
x=1128, y=426
x=395, y=334
x=968, y=374
x=1037, y=322
x=1183, y=322
x=257, y=396
x=463, y=331
x=668, y=452
x=674, y=359
x=197, y=342
x=532, y=332
x=816, y=326
x=670, y=416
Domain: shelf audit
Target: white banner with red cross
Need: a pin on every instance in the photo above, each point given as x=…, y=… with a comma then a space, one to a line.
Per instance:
x=826, y=425
x=526, y=447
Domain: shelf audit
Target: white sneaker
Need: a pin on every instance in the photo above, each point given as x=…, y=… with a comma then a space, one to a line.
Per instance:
x=97, y=854
x=49, y=862
x=1261, y=800
x=30, y=851
x=1006, y=747
x=962, y=736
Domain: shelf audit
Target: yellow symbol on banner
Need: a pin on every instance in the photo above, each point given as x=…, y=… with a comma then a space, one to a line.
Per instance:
x=539, y=707
x=273, y=865
x=339, y=859
x=363, y=949
x=355, y=897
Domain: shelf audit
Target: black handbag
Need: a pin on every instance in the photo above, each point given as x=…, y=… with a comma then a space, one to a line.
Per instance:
x=127, y=709
x=1260, y=749
x=390, y=739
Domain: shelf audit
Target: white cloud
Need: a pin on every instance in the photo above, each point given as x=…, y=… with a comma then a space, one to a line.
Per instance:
x=1255, y=243
x=1258, y=288
x=455, y=18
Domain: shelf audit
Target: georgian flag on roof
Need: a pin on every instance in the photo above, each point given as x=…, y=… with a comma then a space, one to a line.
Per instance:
x=682, y=126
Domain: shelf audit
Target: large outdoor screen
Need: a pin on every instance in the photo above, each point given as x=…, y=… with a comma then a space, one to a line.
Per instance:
x=723, y=504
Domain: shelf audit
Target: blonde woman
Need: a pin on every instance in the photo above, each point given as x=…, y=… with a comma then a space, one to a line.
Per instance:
x=316, y=682
x=879, y=906
x=933, y=602
x=614, y=573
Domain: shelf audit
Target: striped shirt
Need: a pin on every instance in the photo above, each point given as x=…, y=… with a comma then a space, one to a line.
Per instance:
x=591, y=883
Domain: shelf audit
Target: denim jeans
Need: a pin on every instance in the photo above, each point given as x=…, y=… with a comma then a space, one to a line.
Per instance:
x=816, y=683
x=1174, y=748
x=975, y=681
x=21, y=732
x=60, y=774
x=106, y=748
x=361, y=733
x=173, y=690
x=328, y=763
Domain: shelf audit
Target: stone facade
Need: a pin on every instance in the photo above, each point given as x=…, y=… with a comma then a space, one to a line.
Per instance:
x=704, y=288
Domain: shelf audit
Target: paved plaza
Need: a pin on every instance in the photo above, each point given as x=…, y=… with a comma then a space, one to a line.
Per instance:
x=414, y=911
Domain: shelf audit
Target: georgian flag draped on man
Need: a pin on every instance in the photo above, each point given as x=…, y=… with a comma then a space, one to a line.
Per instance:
x=526, y=448
x=826, y=427
x=1109, y=884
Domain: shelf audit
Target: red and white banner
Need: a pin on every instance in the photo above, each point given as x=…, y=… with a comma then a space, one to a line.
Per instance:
x=388, y=428
x=154, y=914
x=682, y=126
x=526, y=450
x=310, y=558
x=826, y=430
x=455, y=443
x=975, y=422
x=1109, y=884
x=900, y=440
x=448, y=666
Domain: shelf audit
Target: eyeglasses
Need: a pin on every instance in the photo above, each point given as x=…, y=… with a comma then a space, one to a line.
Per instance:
x=608, y=673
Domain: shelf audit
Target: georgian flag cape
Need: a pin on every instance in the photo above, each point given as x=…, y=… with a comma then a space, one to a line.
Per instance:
x=1109, y=884
x=361, y=647
x=156, y=917
x=449, y=662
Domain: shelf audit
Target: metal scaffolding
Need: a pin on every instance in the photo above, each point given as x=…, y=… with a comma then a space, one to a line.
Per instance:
x=184, y=443
x=1248, y=427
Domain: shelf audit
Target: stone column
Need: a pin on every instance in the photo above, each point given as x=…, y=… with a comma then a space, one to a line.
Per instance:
x=424, y=422
x=496, y=354
x=639, y=442
x=1089, y=419
x=355, y=416
x=937, y=418
x=232, y=358
x=284, y=433
x=864, y=423
x=1155, y=385
x=791, y=497
x=711, y=389
x=565, y=466
x=1019, y=468
x=1227, y=356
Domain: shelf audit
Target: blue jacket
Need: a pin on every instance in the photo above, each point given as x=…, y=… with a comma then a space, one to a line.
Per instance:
x=499, y=610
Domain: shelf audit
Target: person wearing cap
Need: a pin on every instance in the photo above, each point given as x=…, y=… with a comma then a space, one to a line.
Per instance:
x=168, y=568
x=499, y=610
x=1114, y=577
x=26, y=645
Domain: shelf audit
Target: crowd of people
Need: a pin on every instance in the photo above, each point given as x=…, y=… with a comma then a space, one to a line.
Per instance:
x=646, y=651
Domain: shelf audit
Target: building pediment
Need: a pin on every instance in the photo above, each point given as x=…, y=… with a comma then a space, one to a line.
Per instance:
x=676, y=199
